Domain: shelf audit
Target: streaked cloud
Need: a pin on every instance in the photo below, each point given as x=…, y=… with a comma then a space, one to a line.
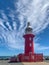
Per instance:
x=39, y=47
x=34, y=11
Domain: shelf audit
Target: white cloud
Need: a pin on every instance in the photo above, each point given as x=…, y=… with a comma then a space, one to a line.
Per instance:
x=1, y=24
x=4, y=16
x=4, y=19
x=12, y=41
x=38, y=47
x=7, y=23
x=32, y=10
x=14, y=25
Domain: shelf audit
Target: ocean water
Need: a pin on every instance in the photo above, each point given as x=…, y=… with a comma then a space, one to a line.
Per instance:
x=4, y=57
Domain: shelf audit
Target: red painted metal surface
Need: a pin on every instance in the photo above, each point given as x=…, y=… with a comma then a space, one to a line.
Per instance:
x=31, y=58
x=29, y=46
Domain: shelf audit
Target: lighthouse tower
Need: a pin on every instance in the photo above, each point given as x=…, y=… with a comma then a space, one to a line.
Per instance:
x=29, y=46
x=29, y=54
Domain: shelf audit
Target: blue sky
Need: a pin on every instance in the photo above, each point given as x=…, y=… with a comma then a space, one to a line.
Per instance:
x=14, y=15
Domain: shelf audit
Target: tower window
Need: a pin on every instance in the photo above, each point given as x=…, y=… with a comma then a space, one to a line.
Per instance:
x=30, y=44
x=30, y=38
x=32, y=57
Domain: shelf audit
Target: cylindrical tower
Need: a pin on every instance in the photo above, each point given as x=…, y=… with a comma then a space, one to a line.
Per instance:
x=29, y=46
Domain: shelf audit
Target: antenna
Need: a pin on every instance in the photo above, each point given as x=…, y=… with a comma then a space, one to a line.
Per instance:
x=28, y=24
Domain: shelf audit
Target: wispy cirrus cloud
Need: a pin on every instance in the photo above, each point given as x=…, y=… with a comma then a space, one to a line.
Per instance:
x=34, y=11
x=4, y=22
x=39, y=47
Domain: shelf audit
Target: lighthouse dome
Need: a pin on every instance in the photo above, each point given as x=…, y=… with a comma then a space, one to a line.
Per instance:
x=28, y=29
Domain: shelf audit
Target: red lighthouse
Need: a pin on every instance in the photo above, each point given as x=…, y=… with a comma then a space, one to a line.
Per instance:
x=29, y=46
x=29, y=55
